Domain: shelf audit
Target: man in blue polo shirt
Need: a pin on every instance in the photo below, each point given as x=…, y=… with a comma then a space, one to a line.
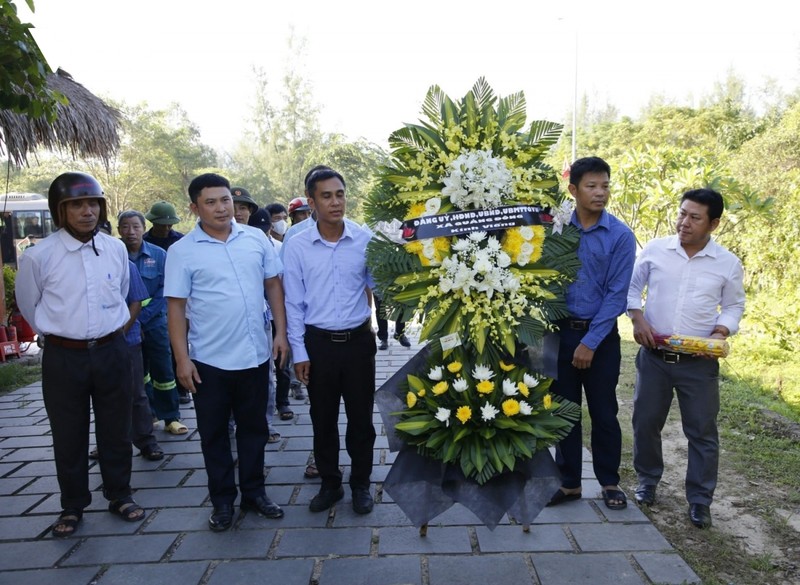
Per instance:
x=221, y=269
x=589, y=349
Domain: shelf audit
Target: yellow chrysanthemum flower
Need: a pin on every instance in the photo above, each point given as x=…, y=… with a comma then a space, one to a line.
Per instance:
x=548, y=401
x=485, y=387
x=411, y=399
x=464, y=413
x=523, y=389
x=439, y=388
x=454, y=367
x=421, y=392
x=506, y=367
x=415, y=210
x=510, y=407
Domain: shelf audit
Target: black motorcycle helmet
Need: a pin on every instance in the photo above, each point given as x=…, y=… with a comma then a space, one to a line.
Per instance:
x=73, y=186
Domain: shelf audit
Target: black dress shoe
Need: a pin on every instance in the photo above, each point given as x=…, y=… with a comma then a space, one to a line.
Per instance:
x=362, y=501
x=264, y=506
x=221, y=518
x=403, y=340
x=384, y=344
x=700, y=515
x=326, y=498
x=646, y=495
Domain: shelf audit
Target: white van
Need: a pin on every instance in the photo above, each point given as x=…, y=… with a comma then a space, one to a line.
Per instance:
x=25, y=219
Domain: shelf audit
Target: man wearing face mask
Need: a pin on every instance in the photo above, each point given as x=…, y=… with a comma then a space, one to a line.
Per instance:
x=278, y=215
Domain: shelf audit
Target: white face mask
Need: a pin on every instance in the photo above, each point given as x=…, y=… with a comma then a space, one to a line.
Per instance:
x=279, y=227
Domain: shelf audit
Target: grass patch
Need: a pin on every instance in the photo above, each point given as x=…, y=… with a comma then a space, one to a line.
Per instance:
x=15, y=375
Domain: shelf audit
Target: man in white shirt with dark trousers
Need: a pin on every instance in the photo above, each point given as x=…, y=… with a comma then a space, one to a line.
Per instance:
x=694, y=287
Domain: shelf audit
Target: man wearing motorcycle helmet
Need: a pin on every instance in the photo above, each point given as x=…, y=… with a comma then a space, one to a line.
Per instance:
x=299, y=210
x=71, y=288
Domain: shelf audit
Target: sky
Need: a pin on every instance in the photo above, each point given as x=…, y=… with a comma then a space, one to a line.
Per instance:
x=370, y=63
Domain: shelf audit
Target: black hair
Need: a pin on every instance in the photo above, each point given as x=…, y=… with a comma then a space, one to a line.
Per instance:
x=128, y=214
x=708, y=197
x=313, y=170
x=206, y=180
x=322, y=174
x=275, y=208
x=589, y=164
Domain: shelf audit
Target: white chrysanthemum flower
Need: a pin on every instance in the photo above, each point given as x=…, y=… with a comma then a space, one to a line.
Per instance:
x=530, y=381
x=503, y=260
x=526, y=232
x=459, y=385
x=443, y=415
x=523, y=259
x=488, y=412
x=481, y=372
x=526, y=249
x=482, y=265
x=477, y=236
x=512, y=284
x=435, y=374
x=493, y=244
x=525, y=408
x=509, y=387
x=461, y=245
x=432, y=206
x=445, y=284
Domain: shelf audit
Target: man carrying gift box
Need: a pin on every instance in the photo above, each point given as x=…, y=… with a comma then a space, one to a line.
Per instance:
x=589, y=347
x=694, y=287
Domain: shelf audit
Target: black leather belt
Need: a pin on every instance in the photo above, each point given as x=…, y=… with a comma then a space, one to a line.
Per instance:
x=342, y=335
x=576, y=324
x=81, y=343
x=671, y=357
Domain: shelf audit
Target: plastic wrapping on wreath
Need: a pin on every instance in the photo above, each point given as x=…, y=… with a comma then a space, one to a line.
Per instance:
x=692, y=345
x=424, y=488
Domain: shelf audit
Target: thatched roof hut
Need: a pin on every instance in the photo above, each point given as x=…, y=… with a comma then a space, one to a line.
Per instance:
x=86, y=126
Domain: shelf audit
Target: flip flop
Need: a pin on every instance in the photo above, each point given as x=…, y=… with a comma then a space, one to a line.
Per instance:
x=561, y=496
x=286, y=413
x=311, y=471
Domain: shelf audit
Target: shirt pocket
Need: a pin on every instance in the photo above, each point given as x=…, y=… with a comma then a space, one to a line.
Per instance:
x=707, y=290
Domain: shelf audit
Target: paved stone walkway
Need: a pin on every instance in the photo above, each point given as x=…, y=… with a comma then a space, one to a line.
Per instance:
x=577, y=543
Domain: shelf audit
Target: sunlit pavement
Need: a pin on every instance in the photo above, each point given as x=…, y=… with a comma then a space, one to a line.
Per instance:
x=580, y=542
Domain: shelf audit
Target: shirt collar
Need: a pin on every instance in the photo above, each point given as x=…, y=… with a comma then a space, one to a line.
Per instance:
x=72, y=244
x=346, y=233
x=710, y=249
x=201, y=236
x=603, y=222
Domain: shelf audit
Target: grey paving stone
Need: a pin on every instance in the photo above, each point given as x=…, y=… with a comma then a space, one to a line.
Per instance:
x=630, y=514
x=666, y=569
x=382, y=515
x=22, y=431
x=35, y=469
x=407, y=540
x=578, y=511
x=14, y=421
x=34, y=555
x=29, y=454
x=585, y=569
x=455, y=515
x=42, y=485
x=285, y=458
x=297, y=444
x=30, y=441
x=20, y=411
x=615, y=537
x=26, y=527
x=297, y=430
x=171, y=497
x=17, y=505
x=103, y=523
x=284, y=572
x=178, y=520
x=70, y=576
x=140, y=548
x=280, y=494
x=294, y=517
x=232, y=544
x=512, y=538
x=52, y=504
x=403, y=570
x=10, y=485
x=287, y=475
x=185, y=461
x=196, y=478
x=479, y=570
x=181, y=447
x=165, y=478
x=321, y=543
x=183, y=573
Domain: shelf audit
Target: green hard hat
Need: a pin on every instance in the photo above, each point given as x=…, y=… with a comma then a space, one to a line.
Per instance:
x=162, y=213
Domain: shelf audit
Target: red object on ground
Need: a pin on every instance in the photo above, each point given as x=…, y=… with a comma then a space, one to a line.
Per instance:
x=24, y=331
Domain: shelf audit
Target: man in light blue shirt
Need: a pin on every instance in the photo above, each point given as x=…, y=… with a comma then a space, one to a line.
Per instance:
x=329, y=322
x=221, y=270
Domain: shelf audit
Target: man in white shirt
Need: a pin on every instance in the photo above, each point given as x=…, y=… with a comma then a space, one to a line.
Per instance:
x=694, y=287
x=71, y=288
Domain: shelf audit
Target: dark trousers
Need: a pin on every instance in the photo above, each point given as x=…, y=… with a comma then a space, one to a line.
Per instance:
x=383, y=324
x=242, y=393
x=696, y=384
x=141, y=417
x=282, y=380
x=342, y=370
x=71, y=378
x=599, y=382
